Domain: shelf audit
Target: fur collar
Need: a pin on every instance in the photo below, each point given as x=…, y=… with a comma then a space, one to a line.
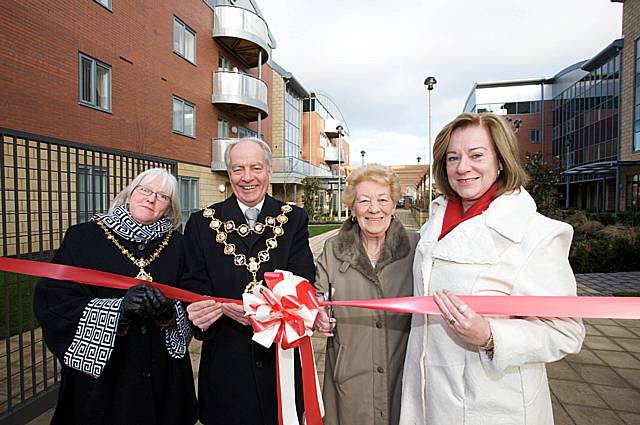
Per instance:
x=349, y=248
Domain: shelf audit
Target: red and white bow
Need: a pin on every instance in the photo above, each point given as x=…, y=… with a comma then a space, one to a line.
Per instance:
x=284, y=312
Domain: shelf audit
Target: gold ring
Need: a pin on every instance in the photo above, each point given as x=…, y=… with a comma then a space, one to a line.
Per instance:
x=462, y=308
x=452, y=321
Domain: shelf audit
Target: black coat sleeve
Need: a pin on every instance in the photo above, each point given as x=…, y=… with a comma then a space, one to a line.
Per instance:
x=59, y=305
x=196, y=278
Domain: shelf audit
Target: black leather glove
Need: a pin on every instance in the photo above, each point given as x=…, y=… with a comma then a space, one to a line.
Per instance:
x=162, y=307
x=135, y=304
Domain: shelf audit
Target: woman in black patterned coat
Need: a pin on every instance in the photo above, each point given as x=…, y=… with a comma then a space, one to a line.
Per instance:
x=124, y=353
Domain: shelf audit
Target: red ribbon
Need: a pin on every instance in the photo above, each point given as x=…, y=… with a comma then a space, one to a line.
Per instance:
x=541, y=306
x=98, y=278
x=587, y=307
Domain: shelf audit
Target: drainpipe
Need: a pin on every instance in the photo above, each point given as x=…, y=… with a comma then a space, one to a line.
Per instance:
x=542, y=119
x=260, y=78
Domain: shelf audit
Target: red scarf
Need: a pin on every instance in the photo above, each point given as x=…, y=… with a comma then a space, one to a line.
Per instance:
x=454, y=214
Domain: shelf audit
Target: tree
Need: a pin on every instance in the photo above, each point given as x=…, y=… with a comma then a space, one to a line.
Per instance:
x=543, y=183
x=310, y=185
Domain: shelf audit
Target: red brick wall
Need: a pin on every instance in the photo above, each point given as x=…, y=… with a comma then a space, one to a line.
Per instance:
x=39, y=45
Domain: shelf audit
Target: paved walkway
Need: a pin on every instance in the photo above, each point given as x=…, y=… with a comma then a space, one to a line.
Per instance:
x=599, y=386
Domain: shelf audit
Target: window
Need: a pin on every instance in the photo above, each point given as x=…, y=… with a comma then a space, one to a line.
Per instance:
x=636, y=108
x=223, y=129
x=292, y=124
x=105, y=3
x=91, y=191
x=95, y=83
x=223, y=63
x=534, y=136
x=184, y=117
x=189, y=196
x=246, y=132
x=184, y=40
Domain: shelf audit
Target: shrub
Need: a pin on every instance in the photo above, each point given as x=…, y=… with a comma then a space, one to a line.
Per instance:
x=604, y=218
x=589, y=227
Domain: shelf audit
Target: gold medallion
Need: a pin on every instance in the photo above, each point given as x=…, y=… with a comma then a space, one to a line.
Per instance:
x=223, y=229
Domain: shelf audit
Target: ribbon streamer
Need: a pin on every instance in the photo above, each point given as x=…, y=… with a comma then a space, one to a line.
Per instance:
x=284, y=313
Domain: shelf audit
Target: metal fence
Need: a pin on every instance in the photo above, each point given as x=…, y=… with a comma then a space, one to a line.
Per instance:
x=46, y=185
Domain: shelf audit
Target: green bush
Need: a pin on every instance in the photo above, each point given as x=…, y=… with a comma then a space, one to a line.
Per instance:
x=605, y=218
x=629, y=218
x=605, y=254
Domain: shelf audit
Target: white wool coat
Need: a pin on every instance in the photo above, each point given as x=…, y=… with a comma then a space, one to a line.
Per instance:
x=510, y=249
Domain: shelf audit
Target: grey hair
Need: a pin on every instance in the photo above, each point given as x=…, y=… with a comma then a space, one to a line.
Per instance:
x=168, y=185
x=266, y=150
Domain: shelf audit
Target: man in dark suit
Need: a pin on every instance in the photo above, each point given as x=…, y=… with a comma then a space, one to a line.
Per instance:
x=229, y=247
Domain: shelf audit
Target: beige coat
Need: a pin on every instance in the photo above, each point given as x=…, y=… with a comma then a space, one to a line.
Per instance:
x=510, y=249
x=363, y=369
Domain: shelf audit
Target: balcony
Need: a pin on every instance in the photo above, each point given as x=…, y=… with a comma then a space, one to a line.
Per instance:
x=240, y=94
x=218, y=146
x=243, y=32
x=331, y=155
x=292, y=170
x=330, y=127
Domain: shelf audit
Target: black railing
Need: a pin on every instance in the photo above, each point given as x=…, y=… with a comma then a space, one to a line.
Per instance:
x=46, y=185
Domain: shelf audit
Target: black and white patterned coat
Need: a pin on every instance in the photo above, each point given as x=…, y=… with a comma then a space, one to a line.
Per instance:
x=142, y=377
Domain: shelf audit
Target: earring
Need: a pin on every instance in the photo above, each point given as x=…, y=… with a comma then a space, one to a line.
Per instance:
x=353, y=219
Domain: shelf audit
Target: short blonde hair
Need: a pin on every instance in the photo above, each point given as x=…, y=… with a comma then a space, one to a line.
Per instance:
x=168, y=185
x=504, y=141
x=375, y=173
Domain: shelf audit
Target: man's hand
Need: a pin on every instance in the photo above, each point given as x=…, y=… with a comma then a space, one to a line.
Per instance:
x=204, y=313
x=236, y=312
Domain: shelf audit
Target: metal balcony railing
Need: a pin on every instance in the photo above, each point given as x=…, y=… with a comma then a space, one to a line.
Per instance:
x=242, y=94
x=243, y=32
x=289, y=169
x=218, y=147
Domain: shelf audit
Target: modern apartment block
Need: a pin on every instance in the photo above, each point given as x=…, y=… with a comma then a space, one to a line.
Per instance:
x=291, y=162
x=526, y=104
x=590, y=121
x=93, y=92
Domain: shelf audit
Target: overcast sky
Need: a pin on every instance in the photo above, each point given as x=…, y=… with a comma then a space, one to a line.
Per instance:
x=371, y=57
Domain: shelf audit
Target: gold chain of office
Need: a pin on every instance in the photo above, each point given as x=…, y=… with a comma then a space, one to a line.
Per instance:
x=223, y=229
x=138, y=262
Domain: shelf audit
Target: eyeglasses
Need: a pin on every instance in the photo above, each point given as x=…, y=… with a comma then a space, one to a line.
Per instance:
x=160, y=197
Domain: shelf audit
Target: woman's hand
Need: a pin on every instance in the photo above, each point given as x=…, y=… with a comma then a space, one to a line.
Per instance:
x=236, y=312
x=204, y=313
x=324, y=323
x=464, y=322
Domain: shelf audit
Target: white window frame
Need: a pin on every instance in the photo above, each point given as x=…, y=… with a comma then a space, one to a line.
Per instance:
x=178, y=125
x=91, y=98
x=180, y=33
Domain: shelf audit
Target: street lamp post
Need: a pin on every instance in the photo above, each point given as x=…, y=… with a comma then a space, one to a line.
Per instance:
x=430, y=83
x=362, y=153
x=339, y=128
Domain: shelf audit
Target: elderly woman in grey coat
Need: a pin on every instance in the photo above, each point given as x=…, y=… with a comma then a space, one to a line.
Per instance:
x=371, y=257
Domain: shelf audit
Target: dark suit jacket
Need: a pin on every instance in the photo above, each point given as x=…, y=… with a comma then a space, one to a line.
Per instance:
x=237, y=379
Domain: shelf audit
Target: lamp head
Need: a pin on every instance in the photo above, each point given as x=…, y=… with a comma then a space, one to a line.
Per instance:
x=430, y=82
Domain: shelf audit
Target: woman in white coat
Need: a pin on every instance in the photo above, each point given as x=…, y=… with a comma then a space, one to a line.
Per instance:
x=485, y=238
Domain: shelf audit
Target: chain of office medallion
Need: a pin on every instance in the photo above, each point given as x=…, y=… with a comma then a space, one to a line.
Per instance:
x=138, y=262
x=252, y=265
